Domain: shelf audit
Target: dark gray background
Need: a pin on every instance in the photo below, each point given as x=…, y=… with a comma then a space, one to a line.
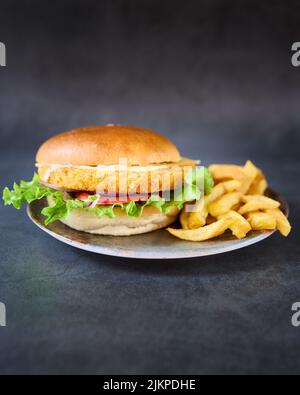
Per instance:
x=216, y=77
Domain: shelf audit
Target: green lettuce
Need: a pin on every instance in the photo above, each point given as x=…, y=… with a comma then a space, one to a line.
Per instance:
x=62, y=203
x=26, y=192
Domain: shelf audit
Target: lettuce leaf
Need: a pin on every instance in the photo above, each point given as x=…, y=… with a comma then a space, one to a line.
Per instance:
x=62, y=203
x=61, y=207
x=26, y=192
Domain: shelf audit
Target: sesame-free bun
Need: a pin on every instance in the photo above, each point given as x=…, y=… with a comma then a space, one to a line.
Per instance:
x=105, y=145
x=121, y=225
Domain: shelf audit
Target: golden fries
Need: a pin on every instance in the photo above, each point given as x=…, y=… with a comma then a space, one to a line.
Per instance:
x=195, y=218
x=250, y=170
x=257, y=202
x=205, y=232
x=231, y=185
x=282, y=223
x=260, y=221
x=216, y=192
x=240, y=227
x=236, y=202
x=184, y=219
x=223, y=204
x=259, y=185
x=222, y=172
x=250, y=173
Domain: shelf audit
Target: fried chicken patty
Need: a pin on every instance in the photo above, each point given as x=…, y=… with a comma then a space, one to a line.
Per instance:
x=109, y=180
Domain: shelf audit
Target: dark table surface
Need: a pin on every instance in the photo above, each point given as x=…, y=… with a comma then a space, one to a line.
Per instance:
x=218, y=80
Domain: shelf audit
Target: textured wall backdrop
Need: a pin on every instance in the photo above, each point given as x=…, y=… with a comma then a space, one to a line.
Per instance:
x=214, y=75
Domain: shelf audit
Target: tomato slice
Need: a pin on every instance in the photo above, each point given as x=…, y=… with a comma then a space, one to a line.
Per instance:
x=82, y=195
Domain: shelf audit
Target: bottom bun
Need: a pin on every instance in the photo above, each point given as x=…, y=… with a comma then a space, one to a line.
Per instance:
x=121, y=224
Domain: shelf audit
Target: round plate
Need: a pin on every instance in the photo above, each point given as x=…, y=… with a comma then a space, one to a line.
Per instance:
x=154, y=245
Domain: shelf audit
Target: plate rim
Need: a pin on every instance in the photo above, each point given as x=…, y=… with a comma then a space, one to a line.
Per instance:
x=120, y=252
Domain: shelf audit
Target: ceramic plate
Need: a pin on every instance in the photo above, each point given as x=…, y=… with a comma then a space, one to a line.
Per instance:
x=154, y=245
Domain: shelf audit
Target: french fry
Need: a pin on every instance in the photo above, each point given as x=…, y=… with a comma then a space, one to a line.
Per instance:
x=223, y=172
x=250, y=169
x=184, y=219
x=205, y=232
x=250, y=173
x=195, y=218
x=223, y=204
x=282, y=223
x=257, y=202
x=250, y=198
x=198, y=216
x=236, y=202
x=216, y=192
x=259, y=185
x=240, y=227
x=231, y=185
x=260, y=221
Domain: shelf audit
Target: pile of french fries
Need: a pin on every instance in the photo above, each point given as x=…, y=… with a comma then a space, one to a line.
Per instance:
x=236, y=202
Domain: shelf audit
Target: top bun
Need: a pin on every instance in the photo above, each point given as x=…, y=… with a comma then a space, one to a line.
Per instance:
x=104, y=145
